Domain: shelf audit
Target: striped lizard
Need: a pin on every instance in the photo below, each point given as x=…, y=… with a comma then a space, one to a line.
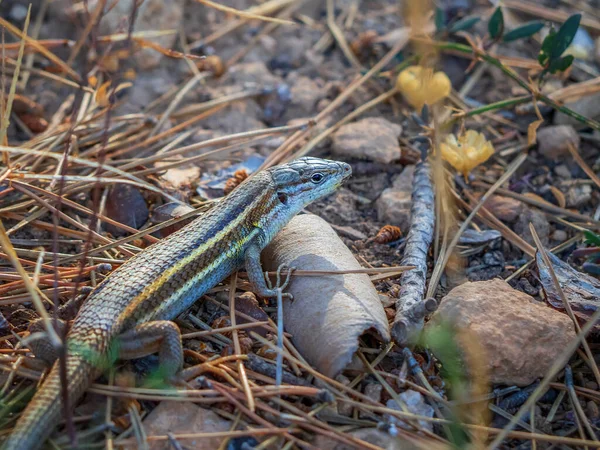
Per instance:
x=135, y=304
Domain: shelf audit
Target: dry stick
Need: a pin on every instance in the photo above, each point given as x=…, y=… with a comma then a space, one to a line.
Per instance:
x=565, y=301
x=236, y=344
x=440, y=265
x=410, y=306
x=559, y=363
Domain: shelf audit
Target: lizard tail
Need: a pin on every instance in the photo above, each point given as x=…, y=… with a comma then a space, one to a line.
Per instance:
x=44, y=412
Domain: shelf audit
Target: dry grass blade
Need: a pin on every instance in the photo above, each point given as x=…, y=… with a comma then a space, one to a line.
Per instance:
x=245, y=14
x=13, y=86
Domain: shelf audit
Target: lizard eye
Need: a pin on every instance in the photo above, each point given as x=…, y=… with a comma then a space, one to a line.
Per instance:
x=317, y=178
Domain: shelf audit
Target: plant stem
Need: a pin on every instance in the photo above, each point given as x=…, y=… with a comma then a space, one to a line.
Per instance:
x=520, y=81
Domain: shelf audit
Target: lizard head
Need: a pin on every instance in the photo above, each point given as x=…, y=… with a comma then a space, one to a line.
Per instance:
x=305, y=180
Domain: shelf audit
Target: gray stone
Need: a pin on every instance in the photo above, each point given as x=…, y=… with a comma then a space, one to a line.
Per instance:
x=540, y=223
x=393, y=205
x=373, y=139
x=554, y=141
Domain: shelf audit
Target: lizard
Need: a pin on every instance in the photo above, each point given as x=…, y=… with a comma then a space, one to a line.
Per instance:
x=136, y=303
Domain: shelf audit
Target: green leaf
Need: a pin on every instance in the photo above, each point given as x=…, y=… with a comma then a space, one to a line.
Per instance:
x=591, y=238
x=561, y=64
x=547, y=45
x=524, y=31
x=464, y=24
x=496, y=24
x=440, y=19
x=565, y=36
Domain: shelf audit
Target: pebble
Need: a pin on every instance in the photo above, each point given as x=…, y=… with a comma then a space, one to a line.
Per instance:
x=578, y=195
x=554, y=141
x=306, y=93
x=506, y=209
x=373, y=139
x=588, y=106
x=540, y=223
x=416, y=405
x=393, y=205
x=559, y=235
x=563, y=171
x=520, y=337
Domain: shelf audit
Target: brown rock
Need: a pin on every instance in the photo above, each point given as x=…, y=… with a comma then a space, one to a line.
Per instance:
x=126, y=205
x=184, y=417
x=554, y=141
x=540, y=223
x=504, y=208
x=373, y=138
x=520, y=337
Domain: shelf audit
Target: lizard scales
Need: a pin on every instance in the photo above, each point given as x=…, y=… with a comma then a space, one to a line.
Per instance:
x=165, y=279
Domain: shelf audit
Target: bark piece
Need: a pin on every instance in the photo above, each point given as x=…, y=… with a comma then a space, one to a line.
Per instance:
x=328, y=313
x=411, y=308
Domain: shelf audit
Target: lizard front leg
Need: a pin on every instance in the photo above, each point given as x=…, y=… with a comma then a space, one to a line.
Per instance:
x=258, y=278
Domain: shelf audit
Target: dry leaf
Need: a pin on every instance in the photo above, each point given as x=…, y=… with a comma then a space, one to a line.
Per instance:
x=532, y=132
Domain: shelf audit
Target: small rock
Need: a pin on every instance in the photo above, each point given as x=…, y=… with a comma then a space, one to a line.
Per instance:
x=588, y=106
x=559, y=235
x=416, y=404
x=373, y=391
x=375, y=139
x=554, y=141
x=520, y=337
x=506, y=209
x=563, y=171
x=254, y=73
x=540, y=223
x=393, y=205
x=184, y=417
x=578, y=195
x=306, y=93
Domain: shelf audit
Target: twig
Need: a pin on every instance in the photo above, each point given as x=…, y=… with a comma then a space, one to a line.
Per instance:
x=411, y=308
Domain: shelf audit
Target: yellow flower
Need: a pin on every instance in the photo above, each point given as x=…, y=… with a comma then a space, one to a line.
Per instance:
x=420, y=86
x=467, y=151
